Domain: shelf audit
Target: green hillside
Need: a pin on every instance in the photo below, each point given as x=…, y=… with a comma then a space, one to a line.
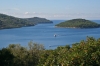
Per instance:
x=13, y=22
x=78, y=23
x=38, y=20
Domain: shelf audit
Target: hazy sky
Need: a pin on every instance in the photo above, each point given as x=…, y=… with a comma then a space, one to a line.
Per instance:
x=52, y=9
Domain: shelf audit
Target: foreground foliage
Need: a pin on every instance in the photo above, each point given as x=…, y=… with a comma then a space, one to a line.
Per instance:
x=6, y=58
x=84, y=53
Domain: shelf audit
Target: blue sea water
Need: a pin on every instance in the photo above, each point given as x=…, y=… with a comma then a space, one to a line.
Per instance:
x=44, y=34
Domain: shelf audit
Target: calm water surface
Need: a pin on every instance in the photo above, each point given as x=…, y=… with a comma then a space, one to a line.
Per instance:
x=44, y=34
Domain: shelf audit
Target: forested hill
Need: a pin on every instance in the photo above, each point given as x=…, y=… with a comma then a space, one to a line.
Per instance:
x=14, y=22
x=37, y=20
x=78, y=23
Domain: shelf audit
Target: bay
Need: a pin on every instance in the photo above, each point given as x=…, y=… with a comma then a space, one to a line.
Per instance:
x=44, y=34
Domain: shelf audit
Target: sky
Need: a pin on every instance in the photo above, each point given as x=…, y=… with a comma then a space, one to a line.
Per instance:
x=52, y=9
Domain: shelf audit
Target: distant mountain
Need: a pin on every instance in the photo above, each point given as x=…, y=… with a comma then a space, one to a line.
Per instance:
x=38, y=20
x=14, y=22
x=78, y=23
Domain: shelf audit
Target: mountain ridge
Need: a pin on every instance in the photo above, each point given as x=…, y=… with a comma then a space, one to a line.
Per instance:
x=7, y=22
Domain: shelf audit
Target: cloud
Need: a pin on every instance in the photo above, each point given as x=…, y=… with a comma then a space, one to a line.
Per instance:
x=30, y=13
x=26, y=13
x=53, y=15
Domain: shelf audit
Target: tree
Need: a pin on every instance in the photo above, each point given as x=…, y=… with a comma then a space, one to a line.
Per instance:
x=6, y=58
x=27, y=56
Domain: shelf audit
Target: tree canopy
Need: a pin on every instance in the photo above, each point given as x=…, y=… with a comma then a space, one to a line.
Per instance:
x=84, y=53
x=78, y=23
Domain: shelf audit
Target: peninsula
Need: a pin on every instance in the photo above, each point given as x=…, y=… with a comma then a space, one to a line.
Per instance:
x=78, y=23
x=7, y=22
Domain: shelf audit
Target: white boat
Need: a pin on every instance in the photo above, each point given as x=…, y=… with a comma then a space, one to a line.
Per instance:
x=55, y=35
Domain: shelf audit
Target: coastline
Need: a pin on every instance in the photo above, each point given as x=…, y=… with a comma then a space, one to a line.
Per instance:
x=77, y=27
x=24, y=26
x=66, y=27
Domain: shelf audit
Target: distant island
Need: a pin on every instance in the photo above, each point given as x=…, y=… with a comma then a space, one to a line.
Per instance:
x=7, y=22
x=78, y=23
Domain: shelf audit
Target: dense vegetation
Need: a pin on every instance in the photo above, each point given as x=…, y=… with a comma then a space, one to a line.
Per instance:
x=38, y=20
x=84, y=53
x=13, y=22
x=78, y=23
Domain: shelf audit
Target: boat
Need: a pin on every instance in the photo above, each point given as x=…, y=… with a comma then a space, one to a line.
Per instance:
x=55, y=35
